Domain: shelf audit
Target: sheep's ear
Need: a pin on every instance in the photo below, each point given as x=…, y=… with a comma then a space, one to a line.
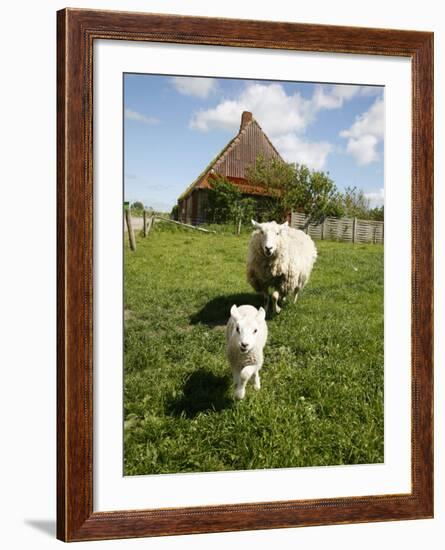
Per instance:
x=261, y=315
x=234, y=312
x=285, y=225
x=256, y=224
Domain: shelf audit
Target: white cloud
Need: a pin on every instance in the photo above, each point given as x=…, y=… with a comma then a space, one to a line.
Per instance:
x=376, y=198
x=335, y=96
x=363, y=149
x=283, y=117
x=369, y=122
x=194, y=86
x=134, y=115
x=294, y=149
x=276, y=111
x=365, y=134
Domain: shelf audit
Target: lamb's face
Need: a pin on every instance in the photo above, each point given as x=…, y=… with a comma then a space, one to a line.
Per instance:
x=270, y=233
x=246, y=328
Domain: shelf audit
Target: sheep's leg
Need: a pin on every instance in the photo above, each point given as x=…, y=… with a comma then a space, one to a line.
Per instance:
x=297, y=290
x=236, y=379
x=240, y=390
x=266, y=300
x=244, y=376
x=275, y=298
x=256, y=381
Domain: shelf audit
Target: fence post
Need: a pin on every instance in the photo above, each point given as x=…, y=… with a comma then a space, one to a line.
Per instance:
x=239, y=227
x=323, y=226
x=354, y=229
x=130, y=229
x=144, y=221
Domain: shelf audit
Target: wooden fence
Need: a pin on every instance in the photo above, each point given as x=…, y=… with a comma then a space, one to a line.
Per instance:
x=342, y=229
x=148, y=220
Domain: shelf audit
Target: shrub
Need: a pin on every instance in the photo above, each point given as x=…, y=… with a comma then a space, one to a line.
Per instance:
x=295, y=187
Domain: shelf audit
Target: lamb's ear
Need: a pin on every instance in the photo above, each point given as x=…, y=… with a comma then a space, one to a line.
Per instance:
x=256, y=224
x=285, y=225
x=234, y=312
x=261, y=315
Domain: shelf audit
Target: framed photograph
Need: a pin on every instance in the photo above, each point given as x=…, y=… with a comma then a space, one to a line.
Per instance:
x=245, y=259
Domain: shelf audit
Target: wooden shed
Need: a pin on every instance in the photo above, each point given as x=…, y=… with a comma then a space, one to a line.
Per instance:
x=232, y=162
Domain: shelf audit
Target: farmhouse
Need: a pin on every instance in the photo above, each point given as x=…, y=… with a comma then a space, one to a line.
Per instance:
x=232, y=163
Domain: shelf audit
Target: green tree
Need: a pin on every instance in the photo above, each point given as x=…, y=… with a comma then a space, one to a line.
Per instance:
x=377, y=213
x=222, y=200
x=137, y=205
x=226, y=204
x=243, y=210
x=296, y=187
x=355, y=203
x=314, y=193
x=275, y=177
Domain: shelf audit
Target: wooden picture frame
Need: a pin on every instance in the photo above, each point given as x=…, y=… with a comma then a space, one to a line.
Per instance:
x=77, y=31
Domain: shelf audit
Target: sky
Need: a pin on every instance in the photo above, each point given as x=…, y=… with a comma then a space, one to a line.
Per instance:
x=175, y=125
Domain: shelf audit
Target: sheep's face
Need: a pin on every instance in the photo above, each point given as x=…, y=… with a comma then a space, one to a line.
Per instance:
x=270, y=233
x=246, y=328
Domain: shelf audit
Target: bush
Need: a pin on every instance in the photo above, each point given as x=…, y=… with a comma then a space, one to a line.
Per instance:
x=223, y=199
x=377, y=214
x=355, y=203
x=174, y=214
x=295, y=187
x=227, y=205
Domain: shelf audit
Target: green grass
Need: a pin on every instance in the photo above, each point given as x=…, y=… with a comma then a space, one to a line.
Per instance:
x=321, y=401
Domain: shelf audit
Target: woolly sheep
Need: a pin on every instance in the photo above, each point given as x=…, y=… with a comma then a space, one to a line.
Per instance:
x=281, y=258
x=246, y=335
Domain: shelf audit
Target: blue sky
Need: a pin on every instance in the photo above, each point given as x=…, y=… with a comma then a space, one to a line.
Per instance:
x=173, y=127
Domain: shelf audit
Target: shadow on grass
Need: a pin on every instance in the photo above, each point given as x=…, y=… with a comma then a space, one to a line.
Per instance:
x=203, y=392
x=217, y=311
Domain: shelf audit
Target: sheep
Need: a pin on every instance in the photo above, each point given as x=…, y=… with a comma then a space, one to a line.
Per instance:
x=281, y=258
x=246, y=336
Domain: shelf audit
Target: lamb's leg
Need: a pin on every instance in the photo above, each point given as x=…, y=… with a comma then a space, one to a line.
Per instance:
x=266, y=300
x=275, y=298
x=240, y=388
x=257, y=381
x=244, y=375
x=236, y=378
x=297, y=290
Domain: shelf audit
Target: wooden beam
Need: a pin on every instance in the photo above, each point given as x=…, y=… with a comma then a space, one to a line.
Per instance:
x=184, y=224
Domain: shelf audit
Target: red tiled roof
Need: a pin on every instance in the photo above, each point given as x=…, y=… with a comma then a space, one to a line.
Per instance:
x=236, y=157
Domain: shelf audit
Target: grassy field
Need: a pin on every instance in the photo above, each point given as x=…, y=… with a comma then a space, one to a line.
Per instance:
x=321, y=401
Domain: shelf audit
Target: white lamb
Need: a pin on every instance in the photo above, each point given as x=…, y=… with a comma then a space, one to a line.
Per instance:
x=246, y=335
x=281, y=258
